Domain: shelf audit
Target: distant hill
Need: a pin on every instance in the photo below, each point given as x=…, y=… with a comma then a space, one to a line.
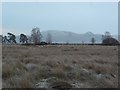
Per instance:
x=70, y=37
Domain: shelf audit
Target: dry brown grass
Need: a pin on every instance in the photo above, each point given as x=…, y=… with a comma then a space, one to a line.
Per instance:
x=24, y=66
x=8, y=71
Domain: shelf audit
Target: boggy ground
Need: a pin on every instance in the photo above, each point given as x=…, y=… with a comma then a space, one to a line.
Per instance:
x=75, y=66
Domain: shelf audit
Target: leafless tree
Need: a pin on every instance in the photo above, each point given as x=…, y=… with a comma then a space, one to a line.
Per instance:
x=36, y=35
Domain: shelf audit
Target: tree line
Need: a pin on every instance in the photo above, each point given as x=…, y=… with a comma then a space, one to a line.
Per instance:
x=36, y=38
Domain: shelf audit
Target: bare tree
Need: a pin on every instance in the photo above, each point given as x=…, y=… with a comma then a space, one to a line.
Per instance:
x=36, y=35
x=49, y=38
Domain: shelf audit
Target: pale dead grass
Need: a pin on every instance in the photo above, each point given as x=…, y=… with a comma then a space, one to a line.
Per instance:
x=24, y=66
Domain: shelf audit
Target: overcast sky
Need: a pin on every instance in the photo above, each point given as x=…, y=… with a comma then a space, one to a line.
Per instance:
x=77, y=17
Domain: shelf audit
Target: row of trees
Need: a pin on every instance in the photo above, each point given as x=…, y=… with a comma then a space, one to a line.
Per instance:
x=9, y=39
x=107, y=39
x=105, y=36
x=36, y=38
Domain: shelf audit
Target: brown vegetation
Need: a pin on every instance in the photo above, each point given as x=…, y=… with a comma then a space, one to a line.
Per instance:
x=81, y=66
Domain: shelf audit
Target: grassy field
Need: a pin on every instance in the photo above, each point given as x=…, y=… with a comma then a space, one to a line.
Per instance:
x=75, y=66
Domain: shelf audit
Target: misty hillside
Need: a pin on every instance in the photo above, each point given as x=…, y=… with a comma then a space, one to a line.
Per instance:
x=70, y=37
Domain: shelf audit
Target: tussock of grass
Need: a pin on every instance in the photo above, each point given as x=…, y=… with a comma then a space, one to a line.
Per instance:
x=59, y=73
x=100, y=68
x=7, y=71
